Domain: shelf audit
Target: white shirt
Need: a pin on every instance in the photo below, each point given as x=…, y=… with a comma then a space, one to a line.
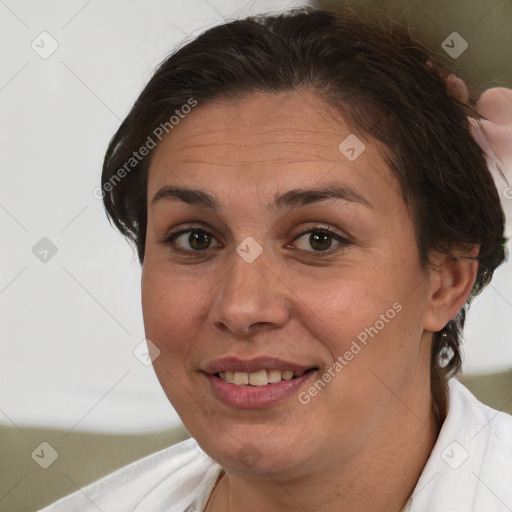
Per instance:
x=469, y=470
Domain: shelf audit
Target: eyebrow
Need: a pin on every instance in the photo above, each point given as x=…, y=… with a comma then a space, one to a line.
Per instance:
x=294, y=198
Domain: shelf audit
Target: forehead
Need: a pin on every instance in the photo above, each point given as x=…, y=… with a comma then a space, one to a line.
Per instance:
x=262, y=141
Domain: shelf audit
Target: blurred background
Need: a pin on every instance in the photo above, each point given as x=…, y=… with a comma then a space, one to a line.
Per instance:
x=72, y=367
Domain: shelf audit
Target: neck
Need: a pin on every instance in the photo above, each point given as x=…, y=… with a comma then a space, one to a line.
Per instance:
x=381, y=477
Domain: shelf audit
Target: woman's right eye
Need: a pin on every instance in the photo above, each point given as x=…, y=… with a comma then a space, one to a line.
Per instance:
x=197, y=239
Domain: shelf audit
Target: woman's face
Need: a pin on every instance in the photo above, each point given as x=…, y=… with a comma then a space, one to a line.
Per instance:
x=241, y=276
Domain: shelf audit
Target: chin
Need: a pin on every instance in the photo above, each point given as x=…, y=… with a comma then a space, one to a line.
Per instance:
x=256, y=449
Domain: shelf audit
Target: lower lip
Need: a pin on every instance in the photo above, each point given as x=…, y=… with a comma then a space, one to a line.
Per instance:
x=256, y=397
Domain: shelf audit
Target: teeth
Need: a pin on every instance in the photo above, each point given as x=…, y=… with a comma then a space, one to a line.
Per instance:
x=241, y=378
x=260, y=378
x=274, y=376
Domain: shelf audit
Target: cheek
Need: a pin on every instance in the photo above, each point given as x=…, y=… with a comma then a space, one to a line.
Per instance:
x=371, y=315
x=173, y=306
x=338, y=307
x=172, y=303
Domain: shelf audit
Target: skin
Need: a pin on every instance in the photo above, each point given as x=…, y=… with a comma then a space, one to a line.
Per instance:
x=296, y=303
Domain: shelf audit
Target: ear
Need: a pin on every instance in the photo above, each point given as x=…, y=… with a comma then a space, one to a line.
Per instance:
x=451, y=281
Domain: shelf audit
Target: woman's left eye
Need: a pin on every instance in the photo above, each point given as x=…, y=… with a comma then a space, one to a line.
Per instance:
x=199, y=240
x=321, y=240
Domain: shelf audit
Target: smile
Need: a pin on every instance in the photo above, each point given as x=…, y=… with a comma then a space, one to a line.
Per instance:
x=257, y=390
x=260, y=378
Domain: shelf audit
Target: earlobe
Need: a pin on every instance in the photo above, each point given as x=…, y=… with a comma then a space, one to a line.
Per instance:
x=451, y=282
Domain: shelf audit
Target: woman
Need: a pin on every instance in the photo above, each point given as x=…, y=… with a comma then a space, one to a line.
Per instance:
x=312, y=216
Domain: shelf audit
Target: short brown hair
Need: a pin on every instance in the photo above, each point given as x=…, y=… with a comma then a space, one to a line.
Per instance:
x=385, y=83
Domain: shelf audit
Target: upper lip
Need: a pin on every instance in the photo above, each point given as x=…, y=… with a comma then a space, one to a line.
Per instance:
x=234, y=364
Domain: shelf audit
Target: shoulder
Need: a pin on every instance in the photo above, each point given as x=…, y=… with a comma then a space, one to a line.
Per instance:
x=486, y=426
x=170, y=478
x=489, y=443
x=470, y=466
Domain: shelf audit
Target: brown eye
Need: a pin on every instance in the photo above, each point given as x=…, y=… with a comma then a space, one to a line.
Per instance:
x=197, y=240
x=321, y=240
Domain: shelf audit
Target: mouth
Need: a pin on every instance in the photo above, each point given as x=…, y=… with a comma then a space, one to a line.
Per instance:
x=261, y=377
x=256, y=383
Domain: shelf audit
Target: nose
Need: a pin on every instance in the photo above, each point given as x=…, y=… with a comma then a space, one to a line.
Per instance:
x=252, y=297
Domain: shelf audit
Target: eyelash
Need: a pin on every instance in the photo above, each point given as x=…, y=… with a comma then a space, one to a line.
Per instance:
x=169, y=240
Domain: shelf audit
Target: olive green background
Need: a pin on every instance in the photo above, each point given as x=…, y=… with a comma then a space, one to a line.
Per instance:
x=83, y=458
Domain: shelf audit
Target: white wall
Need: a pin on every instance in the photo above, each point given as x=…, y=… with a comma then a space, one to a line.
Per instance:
x=70, y=324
